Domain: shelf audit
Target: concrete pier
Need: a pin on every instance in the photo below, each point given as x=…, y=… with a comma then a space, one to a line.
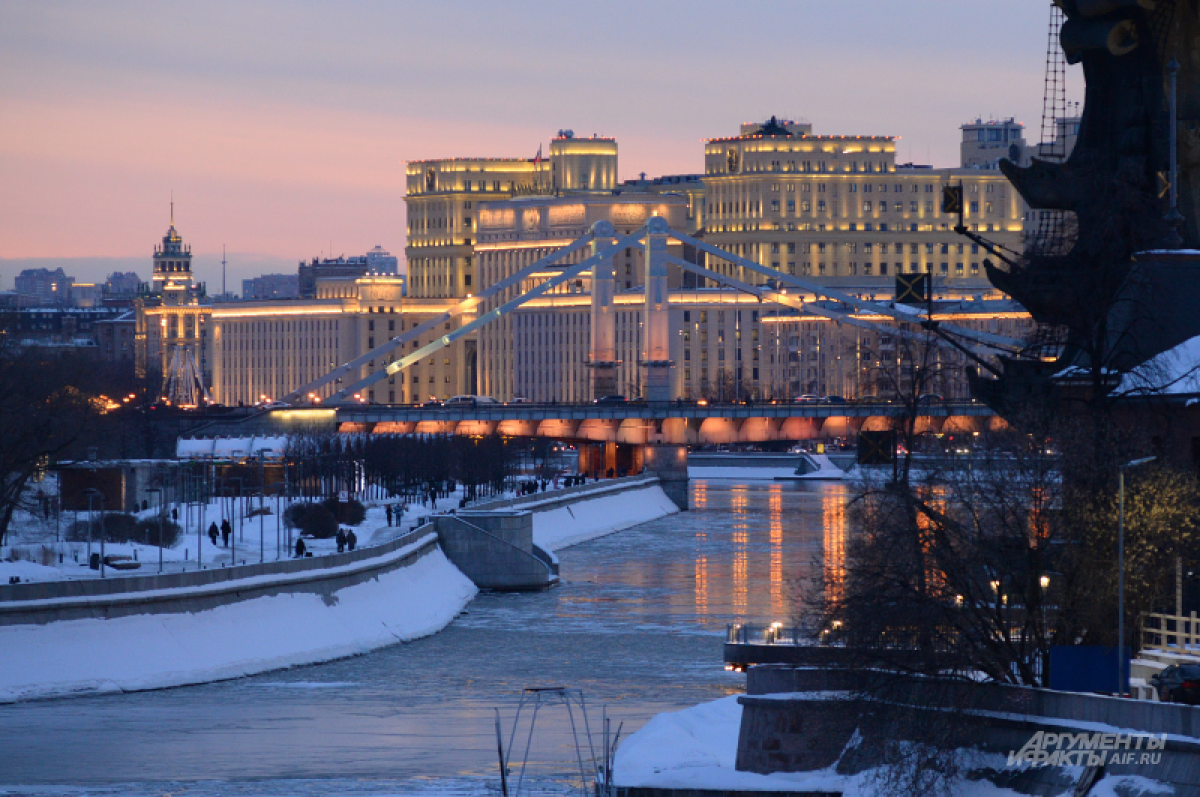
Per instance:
x=495, y=549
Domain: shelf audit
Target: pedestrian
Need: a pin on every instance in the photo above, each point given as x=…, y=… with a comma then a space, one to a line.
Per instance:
x=341, y=541
x=212, y=532
x=175, y=513
x=351, y=539
x=389, y=514
x=226, y=531
x=299, y=547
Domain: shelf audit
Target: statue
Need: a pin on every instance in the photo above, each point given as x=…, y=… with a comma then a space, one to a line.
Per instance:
x=1117, y=280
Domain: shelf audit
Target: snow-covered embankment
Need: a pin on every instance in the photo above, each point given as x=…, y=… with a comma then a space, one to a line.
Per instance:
x=152, y=651
x=601, y=511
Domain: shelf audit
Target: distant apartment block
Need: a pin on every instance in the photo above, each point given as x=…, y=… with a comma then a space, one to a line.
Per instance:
x=271, y=286
x=50, y=287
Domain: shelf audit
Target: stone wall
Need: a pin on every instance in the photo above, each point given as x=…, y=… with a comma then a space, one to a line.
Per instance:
x=495, y=549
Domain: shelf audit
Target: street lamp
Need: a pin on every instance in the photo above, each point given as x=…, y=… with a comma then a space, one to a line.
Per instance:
x=91, y=493
x=160, y=524
x=1121, y=569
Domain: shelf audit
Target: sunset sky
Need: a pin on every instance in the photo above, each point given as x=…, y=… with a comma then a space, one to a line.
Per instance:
x=282, y=128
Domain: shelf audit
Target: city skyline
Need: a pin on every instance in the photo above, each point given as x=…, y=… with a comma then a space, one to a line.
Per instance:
x=282, y=131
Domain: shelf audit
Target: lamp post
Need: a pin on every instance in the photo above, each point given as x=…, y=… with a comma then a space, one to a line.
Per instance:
x=1121, y=568
x=91, y=493
x=262, y=495
x=160, y=525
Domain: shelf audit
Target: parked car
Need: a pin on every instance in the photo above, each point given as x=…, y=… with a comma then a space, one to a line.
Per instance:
x=610, y=400
x=1179, y=683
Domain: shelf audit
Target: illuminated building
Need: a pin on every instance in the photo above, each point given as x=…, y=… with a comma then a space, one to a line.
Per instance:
x=171, y=333
x=443, y=199
x=264, y=350
x=838, y=207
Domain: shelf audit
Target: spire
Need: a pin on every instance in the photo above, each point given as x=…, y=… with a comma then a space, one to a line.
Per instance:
x=172, y=208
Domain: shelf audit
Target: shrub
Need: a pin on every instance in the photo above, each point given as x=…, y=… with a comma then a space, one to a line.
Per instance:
x=147, y=532
x=113, y=526
x=312, y=519
x=349, y=512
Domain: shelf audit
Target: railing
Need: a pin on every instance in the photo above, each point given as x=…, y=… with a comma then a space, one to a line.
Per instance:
x=773, y=634
x=1171, y=631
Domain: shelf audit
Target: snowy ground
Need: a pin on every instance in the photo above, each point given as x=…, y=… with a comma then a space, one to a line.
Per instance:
x=586, y=520
x=697, y=749
x=160, y=650
x=741, y=474
x=33, y=549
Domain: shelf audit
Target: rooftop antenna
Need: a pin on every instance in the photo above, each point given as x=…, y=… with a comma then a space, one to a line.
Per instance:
x=222, y=270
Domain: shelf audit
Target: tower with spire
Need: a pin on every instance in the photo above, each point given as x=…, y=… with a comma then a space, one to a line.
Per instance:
x=172, y=278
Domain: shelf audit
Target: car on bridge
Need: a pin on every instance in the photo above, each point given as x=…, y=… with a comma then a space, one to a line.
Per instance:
x=611, y=400
x=470, y=401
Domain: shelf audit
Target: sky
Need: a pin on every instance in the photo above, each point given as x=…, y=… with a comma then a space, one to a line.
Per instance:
x=281, y=129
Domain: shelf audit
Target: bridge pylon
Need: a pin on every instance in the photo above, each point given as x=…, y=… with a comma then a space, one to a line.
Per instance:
x=656, y=323
x=603, y=359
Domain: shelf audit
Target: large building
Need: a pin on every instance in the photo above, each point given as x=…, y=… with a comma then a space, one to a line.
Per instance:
x=261, y=351
x=838, y=207
x=835, y=209
x=443, y=199
x=49, y=287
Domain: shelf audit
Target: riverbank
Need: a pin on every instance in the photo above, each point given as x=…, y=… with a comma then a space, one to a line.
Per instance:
x=153, y=651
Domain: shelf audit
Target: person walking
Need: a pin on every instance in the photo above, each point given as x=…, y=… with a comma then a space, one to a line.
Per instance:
x=389, y=515
x=299, y=547
x=351, y=539
x=226, y=531
x=212, y=532
x=341, y=541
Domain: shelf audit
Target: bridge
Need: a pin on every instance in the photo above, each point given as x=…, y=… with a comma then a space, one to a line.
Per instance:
x=633, y=423
x=601, y=242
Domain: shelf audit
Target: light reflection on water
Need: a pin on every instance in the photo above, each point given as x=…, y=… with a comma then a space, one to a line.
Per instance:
x=638, y=624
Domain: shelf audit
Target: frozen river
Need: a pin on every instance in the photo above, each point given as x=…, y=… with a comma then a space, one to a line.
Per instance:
x=637, y=624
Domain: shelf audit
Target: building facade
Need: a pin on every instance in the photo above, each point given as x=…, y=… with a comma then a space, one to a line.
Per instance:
x=443, y=196
x=837, y=207
x=172, y=323
x=49, y=287
x=262, y=351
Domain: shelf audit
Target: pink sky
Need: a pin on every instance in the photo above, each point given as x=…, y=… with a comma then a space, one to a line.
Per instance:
x=282, y=128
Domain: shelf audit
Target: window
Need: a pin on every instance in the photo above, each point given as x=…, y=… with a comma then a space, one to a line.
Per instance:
x=945, y=249
x=914, y=207
x=975, y=206
x=687, y=316
x=775, y=204
x=867, y=206
x=820, y=205
x=791, y=249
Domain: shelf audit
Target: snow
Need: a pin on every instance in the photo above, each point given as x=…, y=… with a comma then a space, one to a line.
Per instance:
x=28, y=571
x=696, y=748
x=825, y=470
x=1174, y=371
x=751, y=474
x=230, y=447
x=153, y=651
x=586, y=520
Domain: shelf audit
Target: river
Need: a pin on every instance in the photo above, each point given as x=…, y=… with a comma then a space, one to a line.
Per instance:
x=637, y=624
